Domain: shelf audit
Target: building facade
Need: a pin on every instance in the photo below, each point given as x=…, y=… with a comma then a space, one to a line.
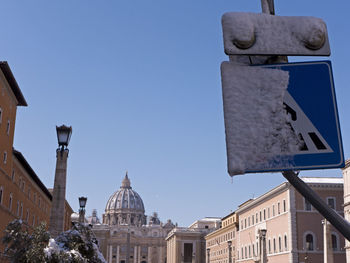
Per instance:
x=125, y=235
x=346, y=177
x=221, y=243
x=187, y=244
x=282, y=226
x=22, y=194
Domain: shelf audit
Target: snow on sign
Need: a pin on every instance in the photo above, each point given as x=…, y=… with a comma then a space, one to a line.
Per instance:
x=280, y=117
x=263, y=34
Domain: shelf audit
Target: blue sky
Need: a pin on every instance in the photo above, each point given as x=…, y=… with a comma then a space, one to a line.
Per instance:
x=139, y=82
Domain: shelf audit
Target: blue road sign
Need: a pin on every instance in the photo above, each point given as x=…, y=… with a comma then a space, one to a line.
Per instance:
x=311, y=103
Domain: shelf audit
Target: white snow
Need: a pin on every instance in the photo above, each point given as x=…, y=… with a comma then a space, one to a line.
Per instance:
x=258, y=135
x=323, y=180
x=275, y=35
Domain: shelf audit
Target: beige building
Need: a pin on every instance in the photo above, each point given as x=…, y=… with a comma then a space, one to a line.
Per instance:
x=125, y=235
x=187, y=244
x=346, y=177
x=221, y=243
x=294, y=230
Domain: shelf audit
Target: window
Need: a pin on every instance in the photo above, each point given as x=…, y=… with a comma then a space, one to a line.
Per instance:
x=248, y=221
x=335, y=245
x=260, y=216
x=284, y=206
x=8, y=127
x=274, y=245
x=252, y=219
x=242, y=253
x=1, y=192
x=269, y=246
x=309, y=242
x=5, y=157
x=27, y=215
x=331, y=202
x=13, y=175
x=17, y=209
x=279, y=244
x=273, y=210
x=285, y=243
x=249, y=251
x=245, y=223
x=264, y=214
x=278, y=208
x=307, y=205
x=10, y=202
x=256, y=218
x=268, y=212
x=253, y=248
x=21, y=210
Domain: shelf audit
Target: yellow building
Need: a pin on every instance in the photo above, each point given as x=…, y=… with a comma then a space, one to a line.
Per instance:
x=220, y=244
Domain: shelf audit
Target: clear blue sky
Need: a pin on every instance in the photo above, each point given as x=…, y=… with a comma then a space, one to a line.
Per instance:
x=139, y=81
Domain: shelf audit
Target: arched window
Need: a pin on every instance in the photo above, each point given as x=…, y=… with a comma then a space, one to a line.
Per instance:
x=274, y=245
x=269, y=246
x=309, y=242
x=279, y=244
x=335, y=244
x=285, y=243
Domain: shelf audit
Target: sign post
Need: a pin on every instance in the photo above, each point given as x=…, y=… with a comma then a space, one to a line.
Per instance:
x=304, y=143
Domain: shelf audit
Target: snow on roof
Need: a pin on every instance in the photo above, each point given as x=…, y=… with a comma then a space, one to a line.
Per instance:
x=323, y=180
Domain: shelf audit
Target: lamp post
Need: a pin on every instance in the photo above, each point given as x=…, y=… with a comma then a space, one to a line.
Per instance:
x=82, y=204
x=59, y=190
x=229, y=243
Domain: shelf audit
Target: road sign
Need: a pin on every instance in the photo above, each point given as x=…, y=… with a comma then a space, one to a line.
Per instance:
x=311, y=105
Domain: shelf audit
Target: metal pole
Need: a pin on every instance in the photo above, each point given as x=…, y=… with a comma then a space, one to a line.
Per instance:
x=333, y=217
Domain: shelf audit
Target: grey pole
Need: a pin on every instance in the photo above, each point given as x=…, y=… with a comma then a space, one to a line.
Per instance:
x=333, y=217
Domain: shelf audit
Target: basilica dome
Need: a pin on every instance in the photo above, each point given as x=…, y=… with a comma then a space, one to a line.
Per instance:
x=125, y=206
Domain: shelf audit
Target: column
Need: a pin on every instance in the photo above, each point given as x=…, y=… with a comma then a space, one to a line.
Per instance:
x=118, y=247
x=160, y=254
x=110, y=250
x=327, y=243
x=56, y=225
x=135, y=254
x=149, y=255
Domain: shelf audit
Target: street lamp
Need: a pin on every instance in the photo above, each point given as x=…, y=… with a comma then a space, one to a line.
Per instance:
x=56, y=225
x=229, y=243
x=82, y=204
x=63, y=135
